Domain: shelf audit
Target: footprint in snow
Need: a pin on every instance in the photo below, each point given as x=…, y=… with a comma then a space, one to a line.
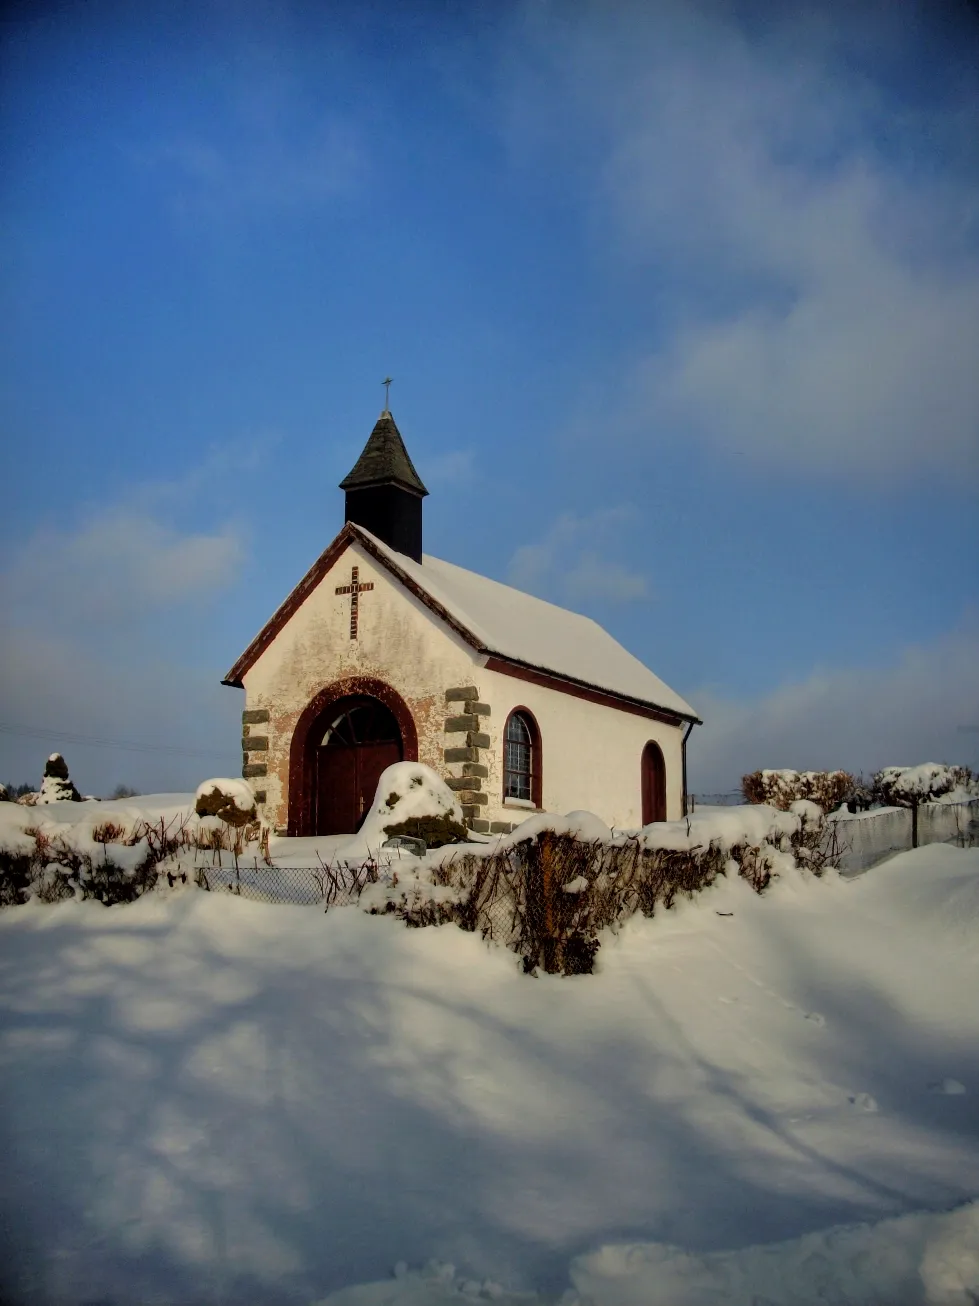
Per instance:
x=950, y=1087
x=816, y=1018
x=863, y=1101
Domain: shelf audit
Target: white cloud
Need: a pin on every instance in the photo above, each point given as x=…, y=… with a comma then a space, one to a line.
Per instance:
x=570, y=560
x=258, y=169
x=810, y=240
x=858, y=719
x=107, y=634
x=119, y=567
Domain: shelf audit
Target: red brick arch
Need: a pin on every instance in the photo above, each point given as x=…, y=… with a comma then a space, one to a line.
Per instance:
x=300, y=769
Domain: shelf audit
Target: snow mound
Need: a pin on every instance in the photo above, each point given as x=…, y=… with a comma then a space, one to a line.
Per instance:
x=922, y=1258
x=585, y=826
x=407, y=791
x=57, y=787
x=239, y=801
x=433, y=1286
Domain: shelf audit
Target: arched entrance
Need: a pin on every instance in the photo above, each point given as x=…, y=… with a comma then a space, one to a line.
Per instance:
x=346, y=737
x=653, y=784
x=360, y=740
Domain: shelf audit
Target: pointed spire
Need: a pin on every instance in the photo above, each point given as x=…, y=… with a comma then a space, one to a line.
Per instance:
x=384, y=461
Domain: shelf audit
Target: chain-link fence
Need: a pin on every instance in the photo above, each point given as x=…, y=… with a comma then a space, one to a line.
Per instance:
x=303, y=886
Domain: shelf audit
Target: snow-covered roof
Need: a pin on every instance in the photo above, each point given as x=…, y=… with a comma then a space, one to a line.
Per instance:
x=520, y=627
x=497, y=620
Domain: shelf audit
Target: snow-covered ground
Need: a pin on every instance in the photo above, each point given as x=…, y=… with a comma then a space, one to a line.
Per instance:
x=206, y=1099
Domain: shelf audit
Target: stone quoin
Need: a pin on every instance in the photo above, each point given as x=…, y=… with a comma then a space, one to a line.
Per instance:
x=383, y=653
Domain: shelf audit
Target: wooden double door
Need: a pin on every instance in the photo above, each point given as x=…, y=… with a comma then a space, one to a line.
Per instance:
x=360, y=739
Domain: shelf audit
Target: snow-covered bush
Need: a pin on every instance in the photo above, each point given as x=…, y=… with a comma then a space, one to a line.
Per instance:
x=783, y=788
x=547, y=889
x=910, y=786
x=413, y=799
x=906, y=786
x=57, y=787
x=231, y=800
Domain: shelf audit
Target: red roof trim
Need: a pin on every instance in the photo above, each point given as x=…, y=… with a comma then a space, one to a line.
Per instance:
x=580, y=689
x=507, y=666
x=323, y=564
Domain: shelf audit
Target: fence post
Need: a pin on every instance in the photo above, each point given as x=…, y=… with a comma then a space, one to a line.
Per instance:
x=551, y=948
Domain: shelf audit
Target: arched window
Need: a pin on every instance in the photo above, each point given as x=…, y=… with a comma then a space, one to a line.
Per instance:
x=522, y=758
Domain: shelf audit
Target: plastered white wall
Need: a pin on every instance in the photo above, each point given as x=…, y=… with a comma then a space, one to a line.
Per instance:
x=398, y=641
x=591, y=755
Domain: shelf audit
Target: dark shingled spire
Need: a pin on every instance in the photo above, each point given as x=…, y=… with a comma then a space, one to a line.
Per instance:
x=384, y=461
x=384, y=492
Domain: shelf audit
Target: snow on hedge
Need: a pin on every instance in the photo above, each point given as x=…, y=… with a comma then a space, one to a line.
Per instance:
x=923, y=783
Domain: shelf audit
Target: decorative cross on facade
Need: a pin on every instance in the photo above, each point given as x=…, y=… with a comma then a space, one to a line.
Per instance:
x=386, y=383
x=354, y=589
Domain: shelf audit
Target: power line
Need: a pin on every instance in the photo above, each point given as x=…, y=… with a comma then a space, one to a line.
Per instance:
x=67, y=737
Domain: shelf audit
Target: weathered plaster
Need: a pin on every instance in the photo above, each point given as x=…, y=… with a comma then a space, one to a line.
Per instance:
x=591, y=753
x=399, y=641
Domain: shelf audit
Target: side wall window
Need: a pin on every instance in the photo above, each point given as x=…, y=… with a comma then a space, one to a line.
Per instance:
x=522, y=757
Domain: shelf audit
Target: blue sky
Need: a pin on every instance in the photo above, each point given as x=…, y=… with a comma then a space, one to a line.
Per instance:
x=682, y=306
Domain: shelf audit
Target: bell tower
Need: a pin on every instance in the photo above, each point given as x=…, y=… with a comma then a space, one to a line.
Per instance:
x=384, y=492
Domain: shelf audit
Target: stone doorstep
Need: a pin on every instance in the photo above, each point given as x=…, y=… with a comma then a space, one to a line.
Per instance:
x=461, y=695
x=253, y=716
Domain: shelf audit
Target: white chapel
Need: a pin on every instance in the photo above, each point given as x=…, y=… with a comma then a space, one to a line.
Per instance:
x=382, y=653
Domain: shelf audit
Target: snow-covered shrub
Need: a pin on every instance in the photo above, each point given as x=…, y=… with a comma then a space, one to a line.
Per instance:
x=547, y=889
x=57, y=787
x=5, y=795
x=783, y=788
x=906, y=786
x=232, y=801
x=50, y=858
x=910, y=786
x=413, y=799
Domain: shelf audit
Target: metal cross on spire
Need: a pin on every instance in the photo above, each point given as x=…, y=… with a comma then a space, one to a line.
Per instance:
x=386, y=383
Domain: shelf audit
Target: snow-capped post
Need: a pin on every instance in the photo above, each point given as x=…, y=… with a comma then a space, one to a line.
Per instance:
x=56, y=787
